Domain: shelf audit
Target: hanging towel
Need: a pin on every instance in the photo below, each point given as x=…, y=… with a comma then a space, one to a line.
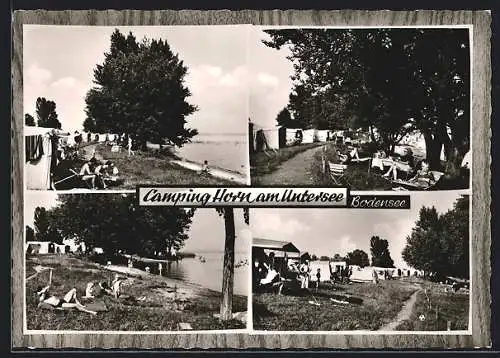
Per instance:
x=34, y=148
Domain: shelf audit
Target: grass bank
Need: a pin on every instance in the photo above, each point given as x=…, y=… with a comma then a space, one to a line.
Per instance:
x=166, y=302
x=438, y=307
x=262, y=163
x=372, y=306
x=153, y=167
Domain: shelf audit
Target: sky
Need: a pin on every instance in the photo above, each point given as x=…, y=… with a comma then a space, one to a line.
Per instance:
x=206, y=234
x=330, y=231
x=229, y=70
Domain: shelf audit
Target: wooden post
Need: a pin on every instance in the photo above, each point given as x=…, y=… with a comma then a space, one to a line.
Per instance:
x=50, y=277
x=448, y=326
x=228, y=270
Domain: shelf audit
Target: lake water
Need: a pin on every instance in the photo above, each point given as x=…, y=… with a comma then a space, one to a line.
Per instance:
x=226, y=151
x=208, y=274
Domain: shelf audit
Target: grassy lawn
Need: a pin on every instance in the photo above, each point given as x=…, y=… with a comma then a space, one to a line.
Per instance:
x=153, y=167
x=264, y=163
x=372, y=305
x=167, y=302
x=444, y=307
x=357, y=175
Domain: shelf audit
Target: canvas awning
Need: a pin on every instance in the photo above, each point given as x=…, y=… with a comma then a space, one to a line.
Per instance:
x=274, y=245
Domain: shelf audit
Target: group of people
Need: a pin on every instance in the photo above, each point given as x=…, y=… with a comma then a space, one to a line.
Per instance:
x=99, y=174
x=70, y=299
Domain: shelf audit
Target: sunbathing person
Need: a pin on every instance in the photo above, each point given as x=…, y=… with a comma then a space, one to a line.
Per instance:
x=110, y=172
x=68, y=301
x=100, y=173
x=349, y=156
x=424, y=176
x=407, y=158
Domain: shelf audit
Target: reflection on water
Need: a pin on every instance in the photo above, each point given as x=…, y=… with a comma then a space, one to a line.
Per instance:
x=205, y=271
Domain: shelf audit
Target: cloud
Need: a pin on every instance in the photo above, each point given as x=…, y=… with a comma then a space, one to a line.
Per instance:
x=65, y=82
x=36, y=75
x=274, y=226
x=268, y=80
x=345, y=245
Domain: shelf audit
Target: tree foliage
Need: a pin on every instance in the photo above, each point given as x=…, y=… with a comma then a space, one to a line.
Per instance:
x=140, y=91
x=115, y=222
x=379, y=248
x=358, y=257
x=394, y=80
x=30, y=233
x=46, y=113
x=29, y=120
x=439, y=244
x=45, y=227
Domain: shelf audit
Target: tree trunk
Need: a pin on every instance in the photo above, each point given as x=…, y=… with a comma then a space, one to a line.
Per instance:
x=226, y=307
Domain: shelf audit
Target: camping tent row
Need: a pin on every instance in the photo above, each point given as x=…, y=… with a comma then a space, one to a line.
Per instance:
x=88, y=137
x=366, y=274
x=261, y=138
x=48, y=247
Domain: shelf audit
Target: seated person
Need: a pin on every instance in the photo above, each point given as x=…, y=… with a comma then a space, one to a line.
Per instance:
x=346, y=158
x=100, y=173
x=86, y=173
x=68, y=301
x=407, y=158
x=204, y=168
x=424, y=176
x=110, y=172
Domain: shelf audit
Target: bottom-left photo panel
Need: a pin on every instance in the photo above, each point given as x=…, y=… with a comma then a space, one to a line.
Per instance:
x=101, y=262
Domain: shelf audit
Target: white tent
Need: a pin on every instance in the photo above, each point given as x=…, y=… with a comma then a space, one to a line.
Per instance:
x=38, y=155
x=270, y=137
x=324, y=268
x=361, y=274
x=323, y=135
x=102, y=137
x=40, y=247
x=291, y=135
x=309, y=136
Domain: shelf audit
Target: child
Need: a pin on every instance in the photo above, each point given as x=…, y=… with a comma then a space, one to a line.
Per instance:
x=204, y=167
x=318, y=278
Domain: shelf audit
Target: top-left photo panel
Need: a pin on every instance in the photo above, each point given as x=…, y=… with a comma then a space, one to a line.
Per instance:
x=110, y=108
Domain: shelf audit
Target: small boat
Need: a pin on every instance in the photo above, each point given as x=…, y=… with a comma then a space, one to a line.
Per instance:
x=202, y=259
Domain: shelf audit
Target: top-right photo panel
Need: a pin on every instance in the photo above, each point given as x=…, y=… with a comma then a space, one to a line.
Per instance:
x=364, y=108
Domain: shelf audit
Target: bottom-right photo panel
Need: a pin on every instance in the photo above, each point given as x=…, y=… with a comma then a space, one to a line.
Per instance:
x=344, y=269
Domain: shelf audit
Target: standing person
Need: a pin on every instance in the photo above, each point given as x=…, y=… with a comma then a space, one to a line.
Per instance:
x=129, y=145
x=318, y=278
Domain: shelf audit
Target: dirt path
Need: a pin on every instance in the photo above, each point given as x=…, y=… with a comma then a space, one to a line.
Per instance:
x=295, y=171
x=403, y=315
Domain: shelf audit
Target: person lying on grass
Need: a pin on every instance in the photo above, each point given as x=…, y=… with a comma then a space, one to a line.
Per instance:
x=67, y=302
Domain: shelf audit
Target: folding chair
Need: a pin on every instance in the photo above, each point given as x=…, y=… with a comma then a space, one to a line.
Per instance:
x=337, y=172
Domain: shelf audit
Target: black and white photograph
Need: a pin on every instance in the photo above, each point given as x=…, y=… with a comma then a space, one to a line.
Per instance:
x=99, y=262
x=114, y=107
x=331, y=270
x=368, y=108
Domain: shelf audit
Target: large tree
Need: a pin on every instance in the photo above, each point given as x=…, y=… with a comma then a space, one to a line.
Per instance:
x=115, y=222
x=29, y=120
x=140, y=91
x=394, y=80
x=439, y=244
x=379, y=248
x=46, y=113
x=226, y=307
x=358, y=257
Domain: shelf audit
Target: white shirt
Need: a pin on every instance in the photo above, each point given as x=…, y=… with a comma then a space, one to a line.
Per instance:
x=467, y=161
